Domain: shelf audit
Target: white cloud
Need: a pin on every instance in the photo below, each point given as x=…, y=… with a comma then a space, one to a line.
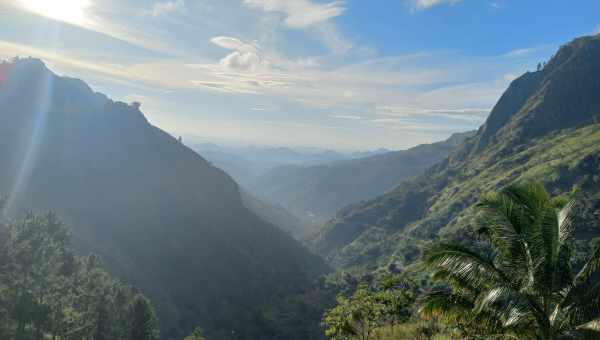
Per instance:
x=235, y=44
x=300, y=13
x=245, y=57
x=426, y=4
x=520, y=52
x=166, y=7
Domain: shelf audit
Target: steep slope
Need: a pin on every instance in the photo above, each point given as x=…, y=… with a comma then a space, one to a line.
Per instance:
x=545, y=128
x=276, y=215
x=161, y=216
x=317, y=192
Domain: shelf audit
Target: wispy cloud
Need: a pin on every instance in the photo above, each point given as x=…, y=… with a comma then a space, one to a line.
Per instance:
x=453, y=113
x=310, y=16
x=520, y=52
x=350, y=117
x=166, y=7
x=300, y=13
x=426, y=4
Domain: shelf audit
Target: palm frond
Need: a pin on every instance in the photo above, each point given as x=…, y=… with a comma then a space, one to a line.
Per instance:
x=463, y=264
x=565, y=221
x=444, y=304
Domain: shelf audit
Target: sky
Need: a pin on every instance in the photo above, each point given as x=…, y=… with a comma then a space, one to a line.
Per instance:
x=336, y=74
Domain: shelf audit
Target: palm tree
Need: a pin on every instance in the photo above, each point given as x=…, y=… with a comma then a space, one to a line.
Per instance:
x=524, y=285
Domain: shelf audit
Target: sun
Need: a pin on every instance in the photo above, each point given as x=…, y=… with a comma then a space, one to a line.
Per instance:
x=70, y=11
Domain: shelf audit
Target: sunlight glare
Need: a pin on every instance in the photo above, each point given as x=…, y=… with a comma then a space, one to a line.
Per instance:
x=70, y=11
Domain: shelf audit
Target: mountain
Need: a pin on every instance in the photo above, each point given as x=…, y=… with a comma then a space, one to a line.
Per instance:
x=317, y=192
x=545, y=127
x=276, y=215
x=247, y=163
x=160, y=216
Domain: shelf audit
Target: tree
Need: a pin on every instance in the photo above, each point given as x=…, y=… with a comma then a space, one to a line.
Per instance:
x=197, y=334
x=145, y=323
x=357, y=316
x=48, y=293
x=397, y=296
x=523, y=284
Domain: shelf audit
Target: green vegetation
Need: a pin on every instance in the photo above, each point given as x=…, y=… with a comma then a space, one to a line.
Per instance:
x=197, y=334
x=519, y=281
x=543, y=128
x=525, y=285
x=46, y=292
x=371, y=307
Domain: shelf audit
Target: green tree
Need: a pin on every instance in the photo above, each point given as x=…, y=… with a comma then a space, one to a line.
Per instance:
x=357, y=316
x=36, y=273
x=48, y=293
x=397, y=295
x=523, y=284
x=197, y=334
x=145, y=323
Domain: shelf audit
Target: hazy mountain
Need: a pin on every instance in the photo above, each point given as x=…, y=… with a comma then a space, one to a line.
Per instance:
x=276, y=215
x=317, y=192
x=161, y=216
x=247, y=163
x=546, y=127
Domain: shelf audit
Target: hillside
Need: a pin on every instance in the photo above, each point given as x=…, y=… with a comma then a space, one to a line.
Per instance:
x=317, y=192
x=276, y=215
x=246, y=164
x=546, y=127
x=161, y=217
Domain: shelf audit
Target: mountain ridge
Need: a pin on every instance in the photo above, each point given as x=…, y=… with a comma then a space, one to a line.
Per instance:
x=318, y=191
x=160, y=215
x=524, y=138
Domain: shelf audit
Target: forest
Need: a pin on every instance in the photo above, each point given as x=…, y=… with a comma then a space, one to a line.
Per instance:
x=47, y=292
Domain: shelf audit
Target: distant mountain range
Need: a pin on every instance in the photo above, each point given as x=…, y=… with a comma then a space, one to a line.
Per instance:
x=247, y=163
x=161, y=217
x=545, y=127
x=316, y=192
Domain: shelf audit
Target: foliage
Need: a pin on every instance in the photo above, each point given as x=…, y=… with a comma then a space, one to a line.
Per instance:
x=387, y=302
x=357, y=316
x=417, y=330
x=197, y=334
x=524, y=285
x=47, y=291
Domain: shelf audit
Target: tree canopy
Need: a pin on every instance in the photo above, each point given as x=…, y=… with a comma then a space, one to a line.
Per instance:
x=48, y=292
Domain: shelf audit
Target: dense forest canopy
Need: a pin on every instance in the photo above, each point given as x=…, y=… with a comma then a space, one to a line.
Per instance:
x=46, y=291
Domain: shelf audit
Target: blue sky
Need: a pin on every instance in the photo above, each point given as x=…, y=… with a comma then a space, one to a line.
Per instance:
x=355, y=74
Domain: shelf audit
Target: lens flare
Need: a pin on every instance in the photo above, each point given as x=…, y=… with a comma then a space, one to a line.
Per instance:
x=70, y=11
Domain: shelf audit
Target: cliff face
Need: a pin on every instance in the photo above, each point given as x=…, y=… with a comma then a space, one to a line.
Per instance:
x=564, y=94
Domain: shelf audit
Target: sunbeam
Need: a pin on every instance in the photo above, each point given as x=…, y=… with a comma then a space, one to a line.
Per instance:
x=42, y=104
x=70, y=11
